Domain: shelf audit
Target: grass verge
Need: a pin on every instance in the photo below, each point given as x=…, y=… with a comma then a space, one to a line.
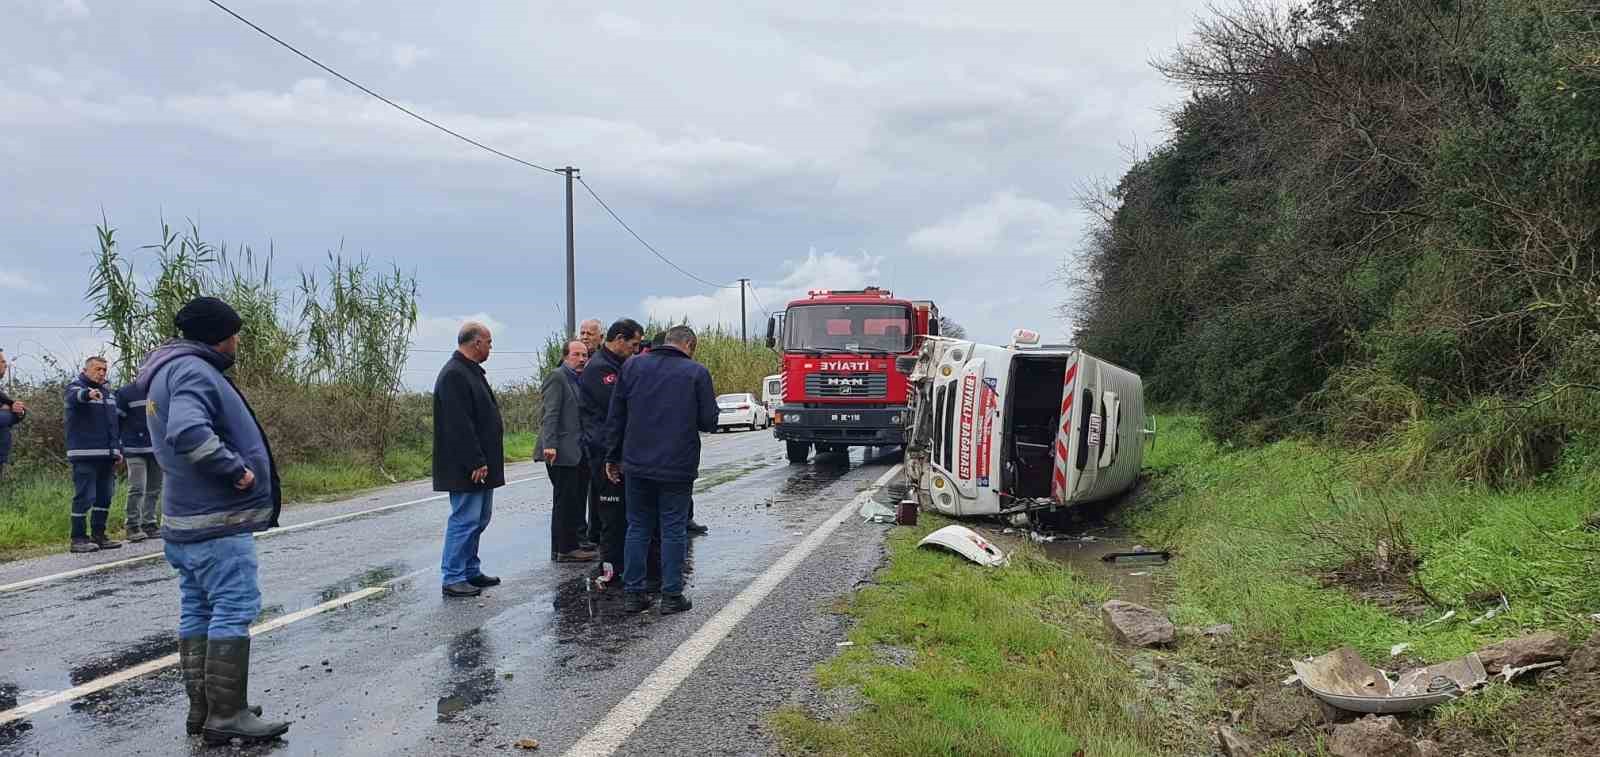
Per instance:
x=1302, y=548
x=35, y=508
x=954, y=658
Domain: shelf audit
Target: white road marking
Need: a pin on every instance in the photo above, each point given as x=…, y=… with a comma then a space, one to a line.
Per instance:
x=106, y=682
x=633, y=711
x=19, y=585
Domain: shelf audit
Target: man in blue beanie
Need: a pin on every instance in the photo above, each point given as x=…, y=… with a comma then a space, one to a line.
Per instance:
x=222, y=487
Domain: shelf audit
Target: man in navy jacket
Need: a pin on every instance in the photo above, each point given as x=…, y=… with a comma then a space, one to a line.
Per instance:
x=144, y=473
x=222, y=487
x=94, y=445
x=663, y=400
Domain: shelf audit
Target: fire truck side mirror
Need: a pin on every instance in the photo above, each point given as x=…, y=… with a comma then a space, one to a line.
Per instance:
x=772, y=332
x=905, y=364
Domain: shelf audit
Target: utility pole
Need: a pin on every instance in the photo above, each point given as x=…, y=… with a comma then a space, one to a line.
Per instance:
x=744, y=329
x=572, y=281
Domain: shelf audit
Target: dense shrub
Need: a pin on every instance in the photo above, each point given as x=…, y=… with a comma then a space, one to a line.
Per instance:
x=1368, y=214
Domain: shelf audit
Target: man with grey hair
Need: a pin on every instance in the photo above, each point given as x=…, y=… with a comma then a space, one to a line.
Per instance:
x=663, y=400
x=561, y=439
x=468, y=457
x=589, y=332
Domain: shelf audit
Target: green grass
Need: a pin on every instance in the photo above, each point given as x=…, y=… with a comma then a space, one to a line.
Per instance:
x=1004, y=661
x=1251, y=526
x=35, y=507
x=1013, y=660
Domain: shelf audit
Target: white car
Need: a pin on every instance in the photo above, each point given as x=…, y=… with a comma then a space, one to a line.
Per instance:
x=742, y=410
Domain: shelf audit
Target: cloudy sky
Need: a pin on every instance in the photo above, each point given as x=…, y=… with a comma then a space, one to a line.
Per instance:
x=931, y=147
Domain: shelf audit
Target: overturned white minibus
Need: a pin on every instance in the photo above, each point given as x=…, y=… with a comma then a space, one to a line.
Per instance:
x=1009, y=429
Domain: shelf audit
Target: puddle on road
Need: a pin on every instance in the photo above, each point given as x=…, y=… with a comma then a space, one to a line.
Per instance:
x=472, y=680
x=142, y=651
x=1134, y=580
x=375, y=576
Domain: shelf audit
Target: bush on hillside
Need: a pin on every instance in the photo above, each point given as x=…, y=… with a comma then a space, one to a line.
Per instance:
x=1391, y=204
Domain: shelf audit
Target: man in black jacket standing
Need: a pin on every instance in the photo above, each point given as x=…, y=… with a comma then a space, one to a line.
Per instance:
x=468, y=458
x=595, y=386
x=662, y=402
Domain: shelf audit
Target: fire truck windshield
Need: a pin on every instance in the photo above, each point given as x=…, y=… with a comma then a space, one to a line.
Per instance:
x=848, y=328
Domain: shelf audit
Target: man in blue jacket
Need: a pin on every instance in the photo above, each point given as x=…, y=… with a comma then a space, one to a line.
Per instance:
x=12, y=412
x=94, y=445
x=663, y=400
x=144, y=474
x=222, y=487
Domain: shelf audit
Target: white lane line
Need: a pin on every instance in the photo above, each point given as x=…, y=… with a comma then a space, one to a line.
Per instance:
x=261, y=535
x=630, y=713
x=106, y=682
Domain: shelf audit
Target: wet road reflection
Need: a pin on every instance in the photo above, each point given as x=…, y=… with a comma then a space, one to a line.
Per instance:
x=472, y=679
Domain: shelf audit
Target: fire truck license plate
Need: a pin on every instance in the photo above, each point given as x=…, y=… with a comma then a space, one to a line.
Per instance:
x=1094, y=429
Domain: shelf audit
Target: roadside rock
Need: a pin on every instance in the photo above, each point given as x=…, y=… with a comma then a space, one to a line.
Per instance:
x=1372, y=736
x=1234, y=745
x=1137, y=625
x=1585, y=662
x=1545, y=646
x=1282, y=711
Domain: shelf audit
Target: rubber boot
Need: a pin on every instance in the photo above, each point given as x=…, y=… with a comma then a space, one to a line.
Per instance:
x=227, y=682
x=192, y=662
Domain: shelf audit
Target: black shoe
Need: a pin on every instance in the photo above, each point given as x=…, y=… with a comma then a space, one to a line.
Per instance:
x=104, y=542
x=635, y=602
x=462, y=589
x=192, y=663
x=697, y=529
x=135, y=535
x=577, y=555
x=227, y=683
x=484, y=581
x=83, y=546
x=674, y=603
x=152, y=531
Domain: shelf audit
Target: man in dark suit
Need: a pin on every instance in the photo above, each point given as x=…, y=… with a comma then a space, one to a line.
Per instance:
x=561, y=439
x=469, y=458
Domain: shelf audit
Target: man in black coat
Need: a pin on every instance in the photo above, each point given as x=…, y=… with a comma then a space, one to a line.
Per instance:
x=468, y=457
x=595, y=385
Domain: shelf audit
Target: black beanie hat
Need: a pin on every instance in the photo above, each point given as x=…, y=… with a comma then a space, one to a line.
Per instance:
x=207, y=320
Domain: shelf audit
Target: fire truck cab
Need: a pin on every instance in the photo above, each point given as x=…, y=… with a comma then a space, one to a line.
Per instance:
x=1009, y=429
x=840, y=384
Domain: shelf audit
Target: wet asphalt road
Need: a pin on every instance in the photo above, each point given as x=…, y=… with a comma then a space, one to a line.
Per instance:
x=408, y=672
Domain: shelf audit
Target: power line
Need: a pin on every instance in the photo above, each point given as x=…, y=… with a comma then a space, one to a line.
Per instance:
x=647, y=245
x=757, y=297
x=390, y=103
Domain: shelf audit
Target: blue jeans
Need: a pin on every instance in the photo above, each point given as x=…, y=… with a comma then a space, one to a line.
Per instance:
x=469, y=516
x=650, y=504
x=93, y=483
x=217, y=577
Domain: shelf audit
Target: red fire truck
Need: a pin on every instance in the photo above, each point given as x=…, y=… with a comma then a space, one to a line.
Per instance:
x=840, y=385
